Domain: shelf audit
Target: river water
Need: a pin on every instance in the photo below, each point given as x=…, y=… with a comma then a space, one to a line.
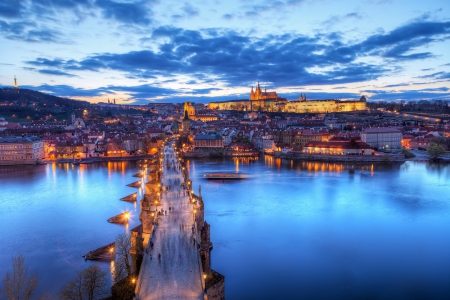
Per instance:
x=294, y=230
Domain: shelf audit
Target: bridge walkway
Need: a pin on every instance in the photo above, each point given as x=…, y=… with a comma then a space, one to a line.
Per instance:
x=177, y=274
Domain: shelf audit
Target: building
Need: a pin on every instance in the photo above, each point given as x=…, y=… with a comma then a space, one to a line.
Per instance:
x=258, y=94
x=21, y=150
x=197, y=115
x=208, y=141
x=186, y=123
x=271, y=102
x=338, y=148
x=382, y=138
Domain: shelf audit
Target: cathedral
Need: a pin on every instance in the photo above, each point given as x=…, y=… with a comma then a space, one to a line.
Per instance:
x=260, y=95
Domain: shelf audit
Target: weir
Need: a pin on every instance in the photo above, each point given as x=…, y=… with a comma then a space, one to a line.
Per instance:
x=175, y=236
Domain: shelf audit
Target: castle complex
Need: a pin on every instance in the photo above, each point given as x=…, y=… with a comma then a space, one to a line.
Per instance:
x=271, y=102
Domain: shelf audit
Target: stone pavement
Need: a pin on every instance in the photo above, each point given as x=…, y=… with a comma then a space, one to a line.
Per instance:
x=172, y=269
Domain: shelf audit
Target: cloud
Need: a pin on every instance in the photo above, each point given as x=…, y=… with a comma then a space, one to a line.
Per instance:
x=29, y=31
x=237, y=59
x=269, y=6
x=227, y=16
x=11, y=8
x=408, y=95
x=126, y=12
x=190, y=10
x=401, y=40
x=396, y=85
x=55, y=72
x=437, y=75
x=333, y=20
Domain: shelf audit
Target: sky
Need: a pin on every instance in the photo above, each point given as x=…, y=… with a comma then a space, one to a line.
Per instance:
x=172, y=51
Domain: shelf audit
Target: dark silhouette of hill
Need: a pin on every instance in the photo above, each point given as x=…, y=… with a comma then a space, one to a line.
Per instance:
x=26, y=96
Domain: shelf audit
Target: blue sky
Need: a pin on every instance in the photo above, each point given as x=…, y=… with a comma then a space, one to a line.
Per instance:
x=162, y=50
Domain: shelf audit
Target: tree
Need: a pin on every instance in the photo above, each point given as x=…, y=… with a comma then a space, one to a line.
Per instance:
x=89, y=284
x=435, y=150
x=20, y=285
x=123, y=258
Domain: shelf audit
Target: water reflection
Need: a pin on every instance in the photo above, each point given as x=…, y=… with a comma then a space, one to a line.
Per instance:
x=62, y=210
x=326, y=230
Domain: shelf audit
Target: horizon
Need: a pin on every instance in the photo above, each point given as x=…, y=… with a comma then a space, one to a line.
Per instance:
x=146, y=51
x=225, y=99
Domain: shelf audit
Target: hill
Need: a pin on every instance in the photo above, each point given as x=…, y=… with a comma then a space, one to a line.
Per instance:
x=30, y=96
x=27, y=105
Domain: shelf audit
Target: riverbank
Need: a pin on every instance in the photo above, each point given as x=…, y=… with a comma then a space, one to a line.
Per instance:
x=101, y=159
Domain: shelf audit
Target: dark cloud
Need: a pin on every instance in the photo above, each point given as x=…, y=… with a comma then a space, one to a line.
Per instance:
x=437, y=75
x=399, y=41
x=11, y=8
x=56, y=72
x=29, y=31
x=126, y=12
x=279, y=59
x=396, y=85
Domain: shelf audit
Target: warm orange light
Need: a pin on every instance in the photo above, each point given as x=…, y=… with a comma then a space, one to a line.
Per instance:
x=133, y=280
x=195, y=211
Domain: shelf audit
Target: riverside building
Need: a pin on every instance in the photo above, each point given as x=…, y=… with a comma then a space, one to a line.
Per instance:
x=383, y=138
x=16, y=150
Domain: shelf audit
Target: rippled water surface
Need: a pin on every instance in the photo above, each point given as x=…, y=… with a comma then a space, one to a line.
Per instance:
x=294, y=230
x=299, y=230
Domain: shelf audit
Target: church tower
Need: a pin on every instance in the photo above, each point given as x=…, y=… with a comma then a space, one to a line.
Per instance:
x=252, y=94
x=186, y=122
x=258, y=92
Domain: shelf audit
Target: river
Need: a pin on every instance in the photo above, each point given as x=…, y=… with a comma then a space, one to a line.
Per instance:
x=294, y=230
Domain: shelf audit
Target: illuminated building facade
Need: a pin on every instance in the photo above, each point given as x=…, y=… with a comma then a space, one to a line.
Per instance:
x=271, y=102
x=384, y=138
x=338, y=148
x=208, y=141
x=21, y=150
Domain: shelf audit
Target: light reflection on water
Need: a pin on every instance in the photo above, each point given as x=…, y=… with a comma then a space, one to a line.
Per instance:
x=329, y=230
x=294, y=230
x=55, y=213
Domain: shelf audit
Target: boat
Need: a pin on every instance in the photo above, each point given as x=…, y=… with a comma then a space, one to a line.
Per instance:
x=225, y=176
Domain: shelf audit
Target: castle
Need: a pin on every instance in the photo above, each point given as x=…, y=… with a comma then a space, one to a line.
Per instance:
x=271, y=102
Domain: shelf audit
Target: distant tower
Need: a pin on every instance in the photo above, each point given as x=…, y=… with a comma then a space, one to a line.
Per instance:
x=114, y=101
x=73, y=119
x=16, y=87
x=186, y=122
x=108, y=101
